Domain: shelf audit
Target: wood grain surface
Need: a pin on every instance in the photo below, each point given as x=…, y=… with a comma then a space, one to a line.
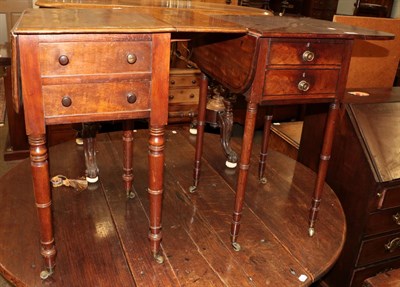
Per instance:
x=101, y=236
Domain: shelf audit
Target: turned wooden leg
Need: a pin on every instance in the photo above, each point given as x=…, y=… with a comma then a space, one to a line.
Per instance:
x=155, y=190
x=244, y=164
x=201, y=117
x=225, y=121
x=264, y=146
x=41, y=188
x=89, y=131
x=323, y=165
x=127, y=139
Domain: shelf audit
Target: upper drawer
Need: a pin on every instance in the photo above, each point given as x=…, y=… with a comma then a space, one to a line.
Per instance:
x=388, y=197
x=177, y=81
x=289, y=82
x=306, y=53
x=83, y=58
x=96, y=98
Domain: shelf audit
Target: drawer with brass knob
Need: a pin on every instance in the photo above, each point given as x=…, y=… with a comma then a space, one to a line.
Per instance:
x=300, y=82
x=113, y=97
x=310, y=52
x=94, y=57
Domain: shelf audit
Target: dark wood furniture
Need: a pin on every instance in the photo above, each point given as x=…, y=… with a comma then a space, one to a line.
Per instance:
x=283, y=61
x=365, y=174
x=386, y=279
x=315, y=71
x=373, y=8
x=99, y=233
x=320, y=9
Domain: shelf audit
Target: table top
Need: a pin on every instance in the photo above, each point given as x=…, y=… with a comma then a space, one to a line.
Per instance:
x=133, y=16
x=276, y=246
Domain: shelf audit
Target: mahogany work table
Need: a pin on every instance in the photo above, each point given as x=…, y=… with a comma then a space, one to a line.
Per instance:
x=64, y=58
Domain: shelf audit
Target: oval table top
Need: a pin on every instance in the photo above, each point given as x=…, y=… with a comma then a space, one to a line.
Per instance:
x=101, y=236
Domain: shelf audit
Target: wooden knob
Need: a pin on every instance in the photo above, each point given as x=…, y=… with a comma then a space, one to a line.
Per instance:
x=308, y=56
x=171, y=97
x=131, y=98
x=63, y=60
x=66, y=101
x=131, y=58
x=172, y=82
x=303, y=86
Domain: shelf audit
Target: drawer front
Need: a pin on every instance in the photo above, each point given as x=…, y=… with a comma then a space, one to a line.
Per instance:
x=378, y=249
x=300, y=82
x=83, y=58
x=183, y=96
x=182, y=81
x=383, y=221
x=110, y=98
x=305, y=53
x=389, y=197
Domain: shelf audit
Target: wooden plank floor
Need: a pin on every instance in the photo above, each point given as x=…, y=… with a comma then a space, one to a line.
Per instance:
x=102, y=237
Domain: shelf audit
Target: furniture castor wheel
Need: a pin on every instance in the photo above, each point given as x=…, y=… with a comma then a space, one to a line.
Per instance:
x=311, y=231
x=193, y=131
x=236, y=246
x=130, y=194
x=230, y=164
x=192, y=189
x=79, y=141
x=92, y=179
x=159, y=258
x=45, y=274
x=263, y=180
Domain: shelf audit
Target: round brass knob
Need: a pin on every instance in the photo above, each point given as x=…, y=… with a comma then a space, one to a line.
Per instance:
x=308, y=56
x=303, y=86
x=131, y=58
x=131, y=98
x=66, y=101
x=63, y=60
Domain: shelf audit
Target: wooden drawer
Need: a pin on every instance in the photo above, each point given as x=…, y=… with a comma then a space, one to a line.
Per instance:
x=287, y=82
x=389, y=197
x=377, y=249
x=110, y=98
x=176, y=81
x=83, y=58
x=183, y=96
x=383, y=221
x=306, y=53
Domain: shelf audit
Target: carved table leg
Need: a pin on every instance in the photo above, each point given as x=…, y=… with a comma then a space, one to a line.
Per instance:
x=155, y=190
x=41, y=187
x=127, y=139
x=247, y=143
x=89, y=131
x=225, y=121
x=323, y=165
x=200, y=131
x=264, y=146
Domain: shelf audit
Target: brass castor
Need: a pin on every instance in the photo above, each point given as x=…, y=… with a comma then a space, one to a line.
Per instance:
x=230, y=164
x=159, y=258
x=193, y=131
x=311, y=231
x=263, y=180
x=130, y=194
x=46, y=274
x=192, y=189
x=236, y=246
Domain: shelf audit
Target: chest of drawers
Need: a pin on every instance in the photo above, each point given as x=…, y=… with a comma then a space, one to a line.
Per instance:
x=365, y=174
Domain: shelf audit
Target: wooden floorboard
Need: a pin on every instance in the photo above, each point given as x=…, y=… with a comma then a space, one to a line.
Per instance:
x=102, y=237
